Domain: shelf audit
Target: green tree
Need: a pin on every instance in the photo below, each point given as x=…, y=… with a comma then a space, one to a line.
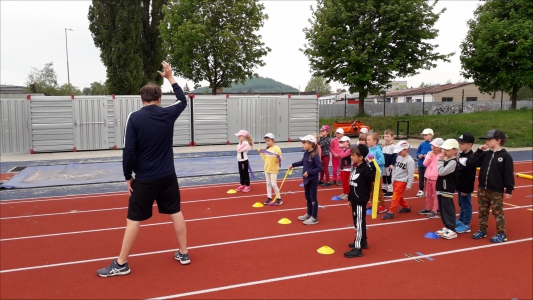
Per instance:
x=318, y=84
x=214, y=40
x=525, y=93
x=366, y=44
x=96, y=88
x=127, y=33
x=496, y=52
x=64, y=90
x=42, y=80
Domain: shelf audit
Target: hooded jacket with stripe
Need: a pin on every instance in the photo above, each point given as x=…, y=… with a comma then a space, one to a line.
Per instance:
x=496, y=170
x=148, y=139
x=447, y=180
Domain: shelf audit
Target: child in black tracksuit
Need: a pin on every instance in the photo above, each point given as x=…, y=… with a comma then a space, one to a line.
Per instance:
x=361, y=178
x=465, y=183
x=446, y=187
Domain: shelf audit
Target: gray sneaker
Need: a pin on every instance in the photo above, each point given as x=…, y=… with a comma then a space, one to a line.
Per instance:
x=114, y=269
x=311, y=221
x=344, y=197
x=304, y=217
x=182, y=258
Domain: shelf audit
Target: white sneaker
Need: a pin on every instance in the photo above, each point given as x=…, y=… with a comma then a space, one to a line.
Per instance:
x=420, y=194
x=344, y=197
x=449, y=235
x=442, y=231
x=311, y=221
x=304, y=217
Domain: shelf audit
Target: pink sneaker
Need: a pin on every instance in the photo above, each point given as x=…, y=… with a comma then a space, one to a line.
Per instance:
x=246, y=189
x=240, y=188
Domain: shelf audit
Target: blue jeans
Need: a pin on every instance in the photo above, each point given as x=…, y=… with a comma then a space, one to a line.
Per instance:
x=465, y=202
x=310, y=195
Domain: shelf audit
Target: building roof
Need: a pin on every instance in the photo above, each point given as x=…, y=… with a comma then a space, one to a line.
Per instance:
x=420, y=90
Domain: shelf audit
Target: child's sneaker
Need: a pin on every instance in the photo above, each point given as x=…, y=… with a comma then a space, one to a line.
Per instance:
x=388, y=216
x=353, y=253
x=449, y=235
x=458, y=223
x=382, y=209
x=320, y=182
x=405, y=210
x=182, y=258
x=441, y=231
x=114, y=269
x=420, y=193
x=499, y=238
x=268, y=200
x=240, y=188
x=462, y=228
x=334, y=182
x=479, y=235
x=279, y=202
x=246, y=189
x=433, y=215
x=326, y=184
x=344, y=197
x=388, y=194
x=311, y=221
x=339, y=183
x=304, y=217
x=424, y=212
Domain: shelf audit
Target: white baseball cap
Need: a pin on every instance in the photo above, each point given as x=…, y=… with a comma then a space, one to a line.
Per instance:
x=339, y=130
x=363, y=130
x=309, y=138
x=402, y=145
x=427, y=131
x=345, y=139
x=270, y=136
x=437, y=142
x=450, y=144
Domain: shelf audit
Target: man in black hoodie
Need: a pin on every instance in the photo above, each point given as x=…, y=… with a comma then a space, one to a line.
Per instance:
x=496, y=182
x=465, y=183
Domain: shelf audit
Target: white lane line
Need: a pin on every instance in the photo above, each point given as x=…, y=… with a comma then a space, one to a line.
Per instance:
x=92, y=195
x=302, y=275
x=222, y=244
x=189, y=202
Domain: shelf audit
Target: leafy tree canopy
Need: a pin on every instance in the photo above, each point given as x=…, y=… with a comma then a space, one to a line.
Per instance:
x=318, y=84
x=255, y=85
x=97, y=88
x=366, y=44
x=127, y=33
x=45, y=81
x=214, y=40
x=497, y=51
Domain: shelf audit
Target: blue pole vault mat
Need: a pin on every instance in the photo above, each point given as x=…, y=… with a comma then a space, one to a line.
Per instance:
x=75, y=173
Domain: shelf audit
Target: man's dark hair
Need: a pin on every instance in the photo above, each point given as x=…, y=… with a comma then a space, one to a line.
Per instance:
x=150, y=92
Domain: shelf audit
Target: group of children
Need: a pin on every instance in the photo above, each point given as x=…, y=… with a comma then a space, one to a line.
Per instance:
x=444, y=168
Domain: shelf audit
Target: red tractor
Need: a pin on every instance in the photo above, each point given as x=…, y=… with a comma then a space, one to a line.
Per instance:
x=350, y=128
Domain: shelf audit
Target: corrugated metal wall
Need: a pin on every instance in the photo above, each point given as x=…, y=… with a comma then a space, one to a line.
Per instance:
x=303, y=116
x=52, y=127
x=15, y=133
x=110, y=123
x=182, y=126
x=210, y=120
x=122, y=107
x=90, y=122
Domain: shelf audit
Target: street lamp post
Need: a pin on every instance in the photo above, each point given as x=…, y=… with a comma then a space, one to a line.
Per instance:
x=66, y=47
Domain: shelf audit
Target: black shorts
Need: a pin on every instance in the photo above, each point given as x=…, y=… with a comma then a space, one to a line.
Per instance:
x=165, y=191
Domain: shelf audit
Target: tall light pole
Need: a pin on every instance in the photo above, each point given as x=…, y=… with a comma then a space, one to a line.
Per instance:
x=66, y=47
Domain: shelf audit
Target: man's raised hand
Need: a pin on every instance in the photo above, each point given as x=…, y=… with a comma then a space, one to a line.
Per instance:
x=167, y=72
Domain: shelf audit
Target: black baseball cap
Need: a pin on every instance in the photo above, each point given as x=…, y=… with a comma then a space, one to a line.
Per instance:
x=363, y=149
x=466, y=138
x=494, y=134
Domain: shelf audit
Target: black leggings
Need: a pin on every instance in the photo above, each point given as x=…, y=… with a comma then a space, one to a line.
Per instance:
x=243, y=172
x=421, y=177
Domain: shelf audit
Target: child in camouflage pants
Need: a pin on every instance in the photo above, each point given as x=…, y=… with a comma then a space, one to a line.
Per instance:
x=496, y=183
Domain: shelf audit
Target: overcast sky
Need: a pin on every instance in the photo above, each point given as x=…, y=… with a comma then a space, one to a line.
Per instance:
x=33, y=33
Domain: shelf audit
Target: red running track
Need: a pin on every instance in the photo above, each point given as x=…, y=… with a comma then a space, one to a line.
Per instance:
x=241, y=252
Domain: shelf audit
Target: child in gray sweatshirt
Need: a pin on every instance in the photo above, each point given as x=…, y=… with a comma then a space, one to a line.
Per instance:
x=402, y=179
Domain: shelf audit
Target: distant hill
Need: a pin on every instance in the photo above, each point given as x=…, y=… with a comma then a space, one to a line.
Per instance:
x=253, y=85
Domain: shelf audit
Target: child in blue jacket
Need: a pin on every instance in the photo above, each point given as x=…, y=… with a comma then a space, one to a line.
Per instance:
x=311, y=170
x=423, y=149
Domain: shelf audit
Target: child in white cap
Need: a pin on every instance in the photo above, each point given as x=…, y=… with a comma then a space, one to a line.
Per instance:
x=402, y=179
x=446, y=187
x=246, y=143
x=431, y=162
x=272, y=158
x=421, y=152
x=335, y=149
x=312, y=166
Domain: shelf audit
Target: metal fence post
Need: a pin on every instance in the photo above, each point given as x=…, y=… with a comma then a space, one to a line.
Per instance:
x=501, y=102
x=344, y=105
x=384, y=100
x=463, y=101
x=423, y=101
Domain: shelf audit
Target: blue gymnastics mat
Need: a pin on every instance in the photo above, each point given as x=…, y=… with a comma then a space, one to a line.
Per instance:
x=75, y=173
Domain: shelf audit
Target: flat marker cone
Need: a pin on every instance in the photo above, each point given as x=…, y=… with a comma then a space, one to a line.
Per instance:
x=258, y=204
x=336, y=198
x=325, y=250
x=431, y=235
x=232, y=191
x=302, y=184
x=284, y=221
x=416, y=176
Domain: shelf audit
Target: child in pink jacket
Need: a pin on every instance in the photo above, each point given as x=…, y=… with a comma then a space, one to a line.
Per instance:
x=431, y=174
x=335, y=150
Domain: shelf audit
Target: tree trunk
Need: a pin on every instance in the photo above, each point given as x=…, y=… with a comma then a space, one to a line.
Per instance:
x=361, y=105
x=514, y=95
x=213, y=90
